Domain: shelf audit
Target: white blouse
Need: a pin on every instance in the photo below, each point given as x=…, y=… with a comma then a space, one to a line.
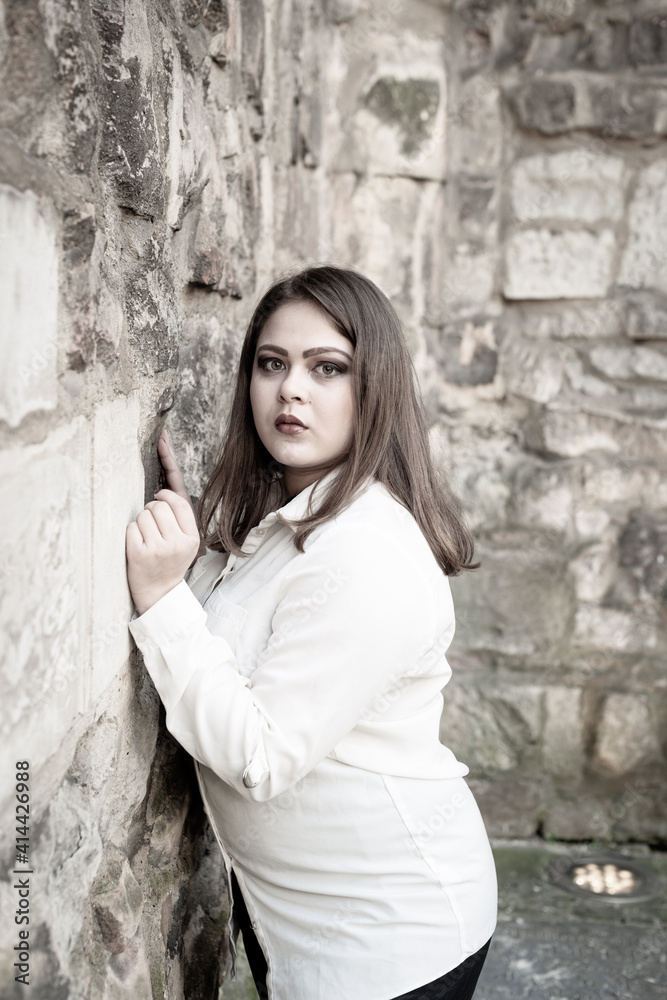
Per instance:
x=307, y=687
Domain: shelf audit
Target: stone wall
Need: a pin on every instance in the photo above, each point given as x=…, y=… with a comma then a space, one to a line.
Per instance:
x=553, y=347
x=136, y=224
x=499, y=169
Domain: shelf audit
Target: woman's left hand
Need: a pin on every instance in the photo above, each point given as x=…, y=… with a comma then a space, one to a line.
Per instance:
x=160, y=545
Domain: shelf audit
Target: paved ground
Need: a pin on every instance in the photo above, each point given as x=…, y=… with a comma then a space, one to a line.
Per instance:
x=551, y=944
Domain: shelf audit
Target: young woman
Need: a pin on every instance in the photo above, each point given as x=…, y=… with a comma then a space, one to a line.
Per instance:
x=301, y=658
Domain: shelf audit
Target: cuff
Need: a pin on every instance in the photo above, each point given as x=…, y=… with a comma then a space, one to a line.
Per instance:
x=169, y=617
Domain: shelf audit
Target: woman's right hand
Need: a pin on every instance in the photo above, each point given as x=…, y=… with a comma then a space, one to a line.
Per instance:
x=173, y=474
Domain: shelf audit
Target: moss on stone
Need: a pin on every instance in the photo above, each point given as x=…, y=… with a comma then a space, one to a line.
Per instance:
x=157, y=981
x=409, y=105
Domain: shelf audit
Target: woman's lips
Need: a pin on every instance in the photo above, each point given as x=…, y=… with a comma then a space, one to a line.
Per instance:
x=290, y=428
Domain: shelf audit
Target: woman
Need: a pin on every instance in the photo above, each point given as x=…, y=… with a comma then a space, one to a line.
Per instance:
x=300, y=659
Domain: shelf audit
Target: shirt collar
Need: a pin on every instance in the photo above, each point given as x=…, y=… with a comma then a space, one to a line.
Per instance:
x=296, y=508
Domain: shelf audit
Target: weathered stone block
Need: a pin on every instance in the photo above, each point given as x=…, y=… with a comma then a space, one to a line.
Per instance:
x=532, y=370
x=519, y=602
x=581, y=380
x=626, y=110
x=642, y=554
x=626, y=733
x=576, y=184
x=491, y=728
x=646, y=316
x=28, y=261
x=117, y=492
x=595, y=569
x=644, y=261
x=131, y=150
x=476, y=128
x=546, y=106
x=154, y=322
x=621, y=362
x=482, y=483
x=410, y=106
x=469, y=357
x=544, y=496
x=397, y=124
x=599, y=45
x=620, y=109
x=68, y=848
x=366, y=214
x=583, y=321
x=647, y=40
x=45, y=602
x=117, y=903
x=571, y=433
x=512, y=805
x=475, y=206
x=471, y=275
x=612, y=629
x=625, y=482
x=563, y=740
x=542, y=264
x=339, y=11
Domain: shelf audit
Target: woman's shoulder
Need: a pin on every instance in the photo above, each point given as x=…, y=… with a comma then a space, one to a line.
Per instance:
x=376, y=518
x=377, y=501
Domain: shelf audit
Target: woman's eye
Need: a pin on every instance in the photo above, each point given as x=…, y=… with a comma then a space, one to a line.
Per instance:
x=267, y=363
x=329, y=368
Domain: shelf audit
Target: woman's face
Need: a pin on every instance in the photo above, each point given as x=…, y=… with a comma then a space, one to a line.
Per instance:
x=303, y=369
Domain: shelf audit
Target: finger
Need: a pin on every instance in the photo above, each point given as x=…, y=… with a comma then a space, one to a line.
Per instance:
x=169, y=464
x=182, y=511
x=150, y=532
x=133, y=540
x=164, y=517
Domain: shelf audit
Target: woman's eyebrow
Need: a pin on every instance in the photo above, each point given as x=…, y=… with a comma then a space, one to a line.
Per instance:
x=306, y=354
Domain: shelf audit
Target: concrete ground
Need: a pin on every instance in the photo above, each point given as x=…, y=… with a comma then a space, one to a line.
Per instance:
x=551, y=944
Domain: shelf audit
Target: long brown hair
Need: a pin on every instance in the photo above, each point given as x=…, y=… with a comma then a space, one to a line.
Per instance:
x=390, y=440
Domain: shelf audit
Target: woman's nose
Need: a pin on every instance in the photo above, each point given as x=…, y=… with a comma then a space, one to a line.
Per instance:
x=293, y=385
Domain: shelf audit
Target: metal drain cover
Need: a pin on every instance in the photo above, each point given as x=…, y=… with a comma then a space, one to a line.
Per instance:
x=612, y=878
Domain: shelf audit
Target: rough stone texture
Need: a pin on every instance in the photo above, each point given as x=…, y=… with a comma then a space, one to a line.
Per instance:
x=644, y=262
x=557, y=114
x=569, y=185
x=626, y=733
x=29, y=293
x=542, y=264
x=499, y=169
x=563, y=744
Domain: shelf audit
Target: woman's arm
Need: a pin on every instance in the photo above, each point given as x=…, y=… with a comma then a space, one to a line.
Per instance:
x=359, y=609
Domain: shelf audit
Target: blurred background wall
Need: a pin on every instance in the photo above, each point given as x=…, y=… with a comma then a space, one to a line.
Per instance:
x=499, y=169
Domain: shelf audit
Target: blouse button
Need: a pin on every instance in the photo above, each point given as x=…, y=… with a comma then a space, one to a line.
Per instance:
x=261, y=531
x=252, y=773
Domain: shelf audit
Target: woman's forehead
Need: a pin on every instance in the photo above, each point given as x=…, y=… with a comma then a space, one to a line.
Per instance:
x=302, y=323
